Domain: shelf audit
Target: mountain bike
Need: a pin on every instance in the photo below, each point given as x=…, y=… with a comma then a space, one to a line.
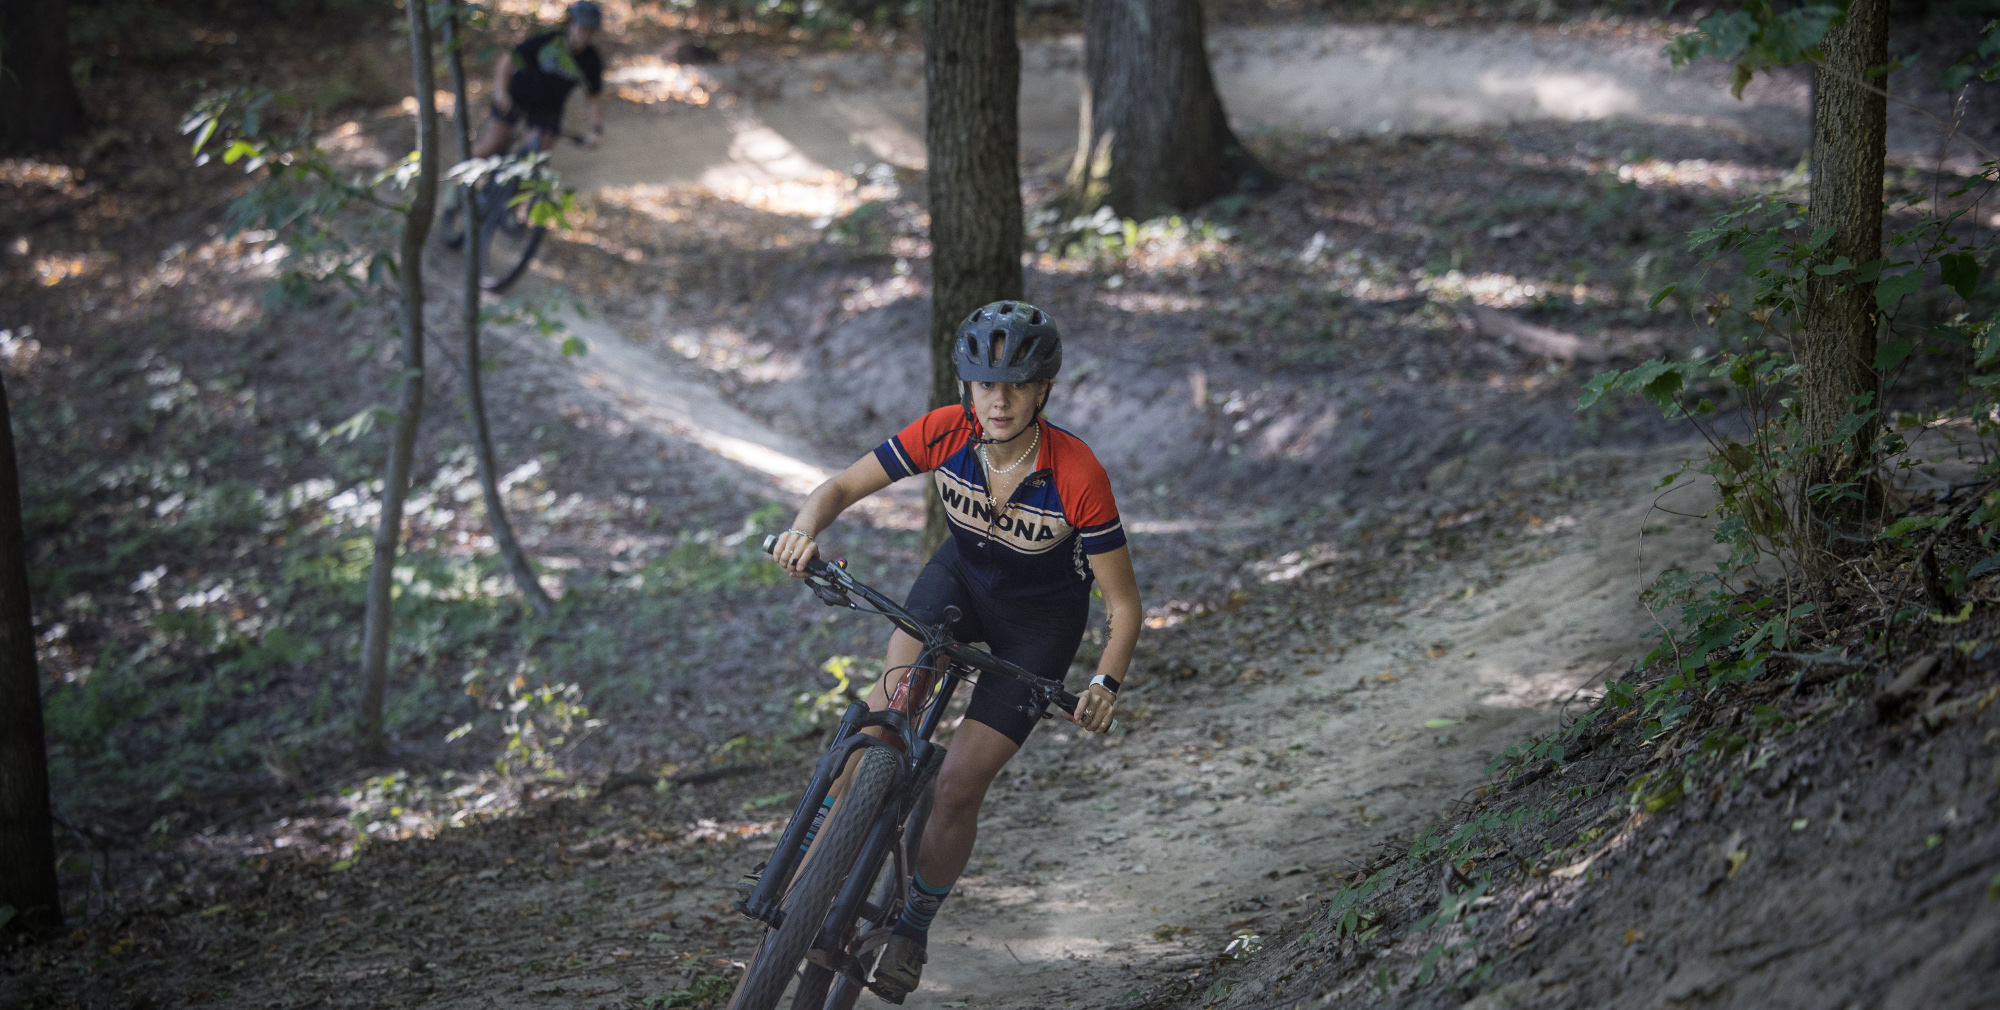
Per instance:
x=510, y=204
x=819, y=904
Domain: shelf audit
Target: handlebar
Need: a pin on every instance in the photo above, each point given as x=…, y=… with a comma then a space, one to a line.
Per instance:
x=834, y=573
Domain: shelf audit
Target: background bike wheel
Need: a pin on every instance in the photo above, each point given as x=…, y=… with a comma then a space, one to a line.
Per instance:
x=777, y=959
x=821, y=989
x=451, y=227
x=508, y=239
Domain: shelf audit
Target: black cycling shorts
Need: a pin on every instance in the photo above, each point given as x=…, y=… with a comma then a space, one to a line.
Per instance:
x=545, y=118
x=1040, y=636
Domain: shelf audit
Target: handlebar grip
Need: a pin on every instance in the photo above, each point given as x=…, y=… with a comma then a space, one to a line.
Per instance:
x=816, y=566
x=1068, y=702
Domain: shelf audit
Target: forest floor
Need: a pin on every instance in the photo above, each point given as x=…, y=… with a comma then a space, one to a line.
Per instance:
x=1377, y=544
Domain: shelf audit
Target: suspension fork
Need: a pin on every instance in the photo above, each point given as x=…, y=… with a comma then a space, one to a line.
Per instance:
x=886, y=840
x=767, y=898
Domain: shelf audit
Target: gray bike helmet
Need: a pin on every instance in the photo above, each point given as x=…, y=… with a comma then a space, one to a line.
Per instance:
x=586, y=13
x=1007, y=342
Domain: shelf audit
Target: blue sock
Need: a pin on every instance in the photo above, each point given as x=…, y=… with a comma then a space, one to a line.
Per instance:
x=920, y=908
x=819, y=821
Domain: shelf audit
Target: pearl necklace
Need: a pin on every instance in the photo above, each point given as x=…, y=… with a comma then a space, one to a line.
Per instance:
x=1016, y=465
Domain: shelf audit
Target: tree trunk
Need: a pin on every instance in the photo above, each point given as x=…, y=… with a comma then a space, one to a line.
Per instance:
x=402, y=449
x=972, y=82
x=1839, y=317
x=38, y=101
x=475, y=396
x=27, y=847
x=1153, y=137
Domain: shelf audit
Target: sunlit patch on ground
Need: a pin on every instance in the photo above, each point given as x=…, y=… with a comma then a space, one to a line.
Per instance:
x=649, y=80
x=1508, y=291
x=28, y=172
x=1699, y=173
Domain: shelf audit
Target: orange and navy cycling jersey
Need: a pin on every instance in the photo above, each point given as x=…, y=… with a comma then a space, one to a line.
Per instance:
x=1036, y=542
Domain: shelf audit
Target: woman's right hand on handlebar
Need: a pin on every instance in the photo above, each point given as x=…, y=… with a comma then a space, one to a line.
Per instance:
x=793, y=550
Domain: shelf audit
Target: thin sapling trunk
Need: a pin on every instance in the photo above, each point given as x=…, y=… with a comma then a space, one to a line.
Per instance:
x=402, y=448
x=511, y=554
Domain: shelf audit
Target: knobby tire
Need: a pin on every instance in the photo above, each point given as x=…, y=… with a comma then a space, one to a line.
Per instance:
x=777, y=959
x=502, y=214
x=820, y=988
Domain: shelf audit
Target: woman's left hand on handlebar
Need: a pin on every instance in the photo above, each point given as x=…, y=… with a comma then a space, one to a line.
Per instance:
x=793, y=550
x=1093, y=709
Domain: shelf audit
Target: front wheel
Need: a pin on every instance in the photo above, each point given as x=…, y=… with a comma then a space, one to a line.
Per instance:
x=823, y=989
x=508, y=235
x=777, y=960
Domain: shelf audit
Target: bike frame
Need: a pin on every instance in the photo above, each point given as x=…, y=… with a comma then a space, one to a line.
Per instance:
x=927, y=686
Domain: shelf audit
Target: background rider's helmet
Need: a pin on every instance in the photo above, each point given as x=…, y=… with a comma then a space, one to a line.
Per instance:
x=586, y=13
x=1007, y=342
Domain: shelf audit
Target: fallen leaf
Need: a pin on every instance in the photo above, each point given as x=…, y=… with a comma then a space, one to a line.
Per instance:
x=1576, y=869
x=1441, y=723
x=1800, y=824
x=1633, y=936
x=1736, y=858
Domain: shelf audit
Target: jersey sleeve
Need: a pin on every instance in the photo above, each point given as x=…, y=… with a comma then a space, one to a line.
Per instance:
x=925, y=444
x=1089, y=505
x=527, y=55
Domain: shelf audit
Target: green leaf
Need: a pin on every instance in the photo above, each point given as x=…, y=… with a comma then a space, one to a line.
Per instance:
x=574, y=347
x=1910, y=524
x=1891, y=354
x=1961, y=273
x=1595, y=389
x=1891, y=290
x=1983, y=567
x=1441, y=723
x=1662, y=295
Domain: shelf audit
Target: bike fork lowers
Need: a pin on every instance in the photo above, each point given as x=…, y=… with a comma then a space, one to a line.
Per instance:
x=766, y=900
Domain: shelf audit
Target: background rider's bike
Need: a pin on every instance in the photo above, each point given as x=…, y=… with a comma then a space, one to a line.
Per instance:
x=823, y=906
x=507, y=202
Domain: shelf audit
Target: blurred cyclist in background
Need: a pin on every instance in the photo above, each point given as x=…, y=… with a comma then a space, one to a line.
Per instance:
x=533, y=80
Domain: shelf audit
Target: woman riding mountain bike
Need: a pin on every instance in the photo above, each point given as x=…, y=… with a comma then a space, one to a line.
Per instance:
x=1033, y=525
x=533, y=80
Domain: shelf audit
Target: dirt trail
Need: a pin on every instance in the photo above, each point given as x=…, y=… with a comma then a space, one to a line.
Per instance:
x=789, y=122
x=1222, y=807
x=1326, y=754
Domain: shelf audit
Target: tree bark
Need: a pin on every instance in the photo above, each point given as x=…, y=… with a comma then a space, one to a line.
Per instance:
x=972, y=82
x=1839, y=317
x=475, y=397
x=27, y=846
x=1153, y=137
x=38, y=100
x=402, y=448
